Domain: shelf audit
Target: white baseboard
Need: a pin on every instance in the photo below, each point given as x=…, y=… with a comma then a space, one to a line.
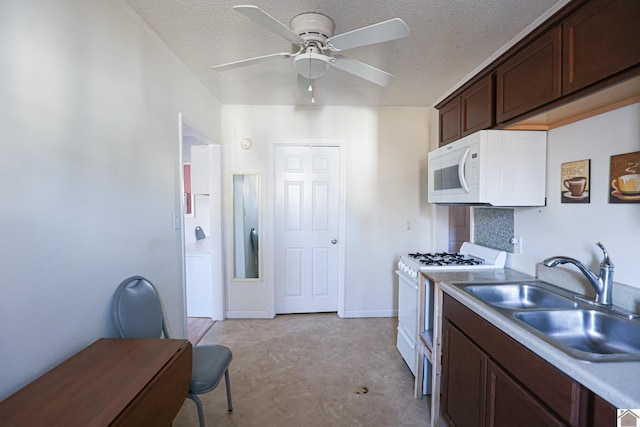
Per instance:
x=370, y=313
x=248, y=315
x=347, y=314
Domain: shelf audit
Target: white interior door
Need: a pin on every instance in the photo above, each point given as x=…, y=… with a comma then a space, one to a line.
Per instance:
x=307, y=211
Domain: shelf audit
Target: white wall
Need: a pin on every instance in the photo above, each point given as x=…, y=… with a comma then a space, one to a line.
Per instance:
x=89, y=174
x=386, y=151
x=573, y=229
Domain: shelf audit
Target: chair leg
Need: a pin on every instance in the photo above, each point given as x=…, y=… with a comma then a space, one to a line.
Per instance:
x=228, y=384
x=198, y=403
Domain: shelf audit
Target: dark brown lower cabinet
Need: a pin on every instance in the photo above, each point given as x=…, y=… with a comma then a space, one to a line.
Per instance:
x=602, y=413
x=464, y=388
x=489, y=379
x=508, y=404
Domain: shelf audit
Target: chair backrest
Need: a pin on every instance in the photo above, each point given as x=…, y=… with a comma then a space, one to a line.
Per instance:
x=137, y=311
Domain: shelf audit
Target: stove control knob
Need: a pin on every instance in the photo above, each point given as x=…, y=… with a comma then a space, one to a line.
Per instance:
x=414, y=274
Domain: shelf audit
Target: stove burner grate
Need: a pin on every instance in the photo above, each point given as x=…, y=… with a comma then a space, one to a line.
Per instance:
x=444, y=258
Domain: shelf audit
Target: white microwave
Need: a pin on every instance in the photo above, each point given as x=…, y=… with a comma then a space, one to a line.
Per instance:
x=490, y=168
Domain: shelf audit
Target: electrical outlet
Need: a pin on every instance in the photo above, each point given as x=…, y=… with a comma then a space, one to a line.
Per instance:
x=516, y=241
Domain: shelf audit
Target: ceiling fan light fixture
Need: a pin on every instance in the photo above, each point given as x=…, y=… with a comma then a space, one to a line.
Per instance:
x=312, y=65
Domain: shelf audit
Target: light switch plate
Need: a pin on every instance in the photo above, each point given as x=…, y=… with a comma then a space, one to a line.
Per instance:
x=176, y=221
x=516, y=241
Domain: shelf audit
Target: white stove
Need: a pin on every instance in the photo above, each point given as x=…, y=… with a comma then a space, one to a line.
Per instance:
x=470, y=257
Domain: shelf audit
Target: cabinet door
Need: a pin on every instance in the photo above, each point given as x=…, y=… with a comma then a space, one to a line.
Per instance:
x=464, y=369
x=599, y=40
x=477, y=106
x=556, y=391
x=603, y=413
x=508, y=404
x=450, y=122
x=531, y=78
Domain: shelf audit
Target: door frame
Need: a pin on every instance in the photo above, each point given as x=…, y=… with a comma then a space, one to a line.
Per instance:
x=342, y=213
x=218, y=310
x=440, y=227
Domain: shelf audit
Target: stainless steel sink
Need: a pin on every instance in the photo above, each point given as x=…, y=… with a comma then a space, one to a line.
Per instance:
x=520, y=296
x=587, y=334
x=570, y=323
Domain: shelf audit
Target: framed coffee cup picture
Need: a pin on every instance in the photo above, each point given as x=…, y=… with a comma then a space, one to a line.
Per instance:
x=574, y=183
x=624, y=182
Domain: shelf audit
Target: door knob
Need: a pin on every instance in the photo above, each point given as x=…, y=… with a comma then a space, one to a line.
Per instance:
x=334, y=241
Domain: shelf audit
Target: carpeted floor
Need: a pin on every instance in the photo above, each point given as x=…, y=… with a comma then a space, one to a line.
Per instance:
x=311, y=370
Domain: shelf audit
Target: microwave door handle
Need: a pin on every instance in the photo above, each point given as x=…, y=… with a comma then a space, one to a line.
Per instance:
x=463, y=160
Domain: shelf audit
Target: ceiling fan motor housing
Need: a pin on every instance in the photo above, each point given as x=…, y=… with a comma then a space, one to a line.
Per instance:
x=315, y=29
x=312, y=26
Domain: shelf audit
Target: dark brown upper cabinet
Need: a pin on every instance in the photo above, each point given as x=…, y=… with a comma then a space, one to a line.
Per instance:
x=471, y=111
x=531, y=78
x=583, y=51
x=450, y=121
x=477, y=106
x=600, y=39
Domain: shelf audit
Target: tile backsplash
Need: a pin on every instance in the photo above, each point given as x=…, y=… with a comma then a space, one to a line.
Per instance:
x=493, y=227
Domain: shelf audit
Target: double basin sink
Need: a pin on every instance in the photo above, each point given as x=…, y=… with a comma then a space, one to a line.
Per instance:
x=583, y=330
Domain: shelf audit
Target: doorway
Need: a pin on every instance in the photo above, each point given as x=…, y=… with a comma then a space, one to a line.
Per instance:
x=202, y=250
x=452, y=226
x=307, y=240
x=459, y=227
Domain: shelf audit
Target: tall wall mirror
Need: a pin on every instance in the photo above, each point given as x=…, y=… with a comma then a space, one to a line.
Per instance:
x=246, y=226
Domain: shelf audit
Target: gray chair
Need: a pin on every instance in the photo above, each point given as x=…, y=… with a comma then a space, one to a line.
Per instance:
x=137, y=313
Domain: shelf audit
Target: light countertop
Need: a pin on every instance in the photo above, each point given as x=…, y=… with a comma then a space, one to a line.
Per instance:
x=616, y=382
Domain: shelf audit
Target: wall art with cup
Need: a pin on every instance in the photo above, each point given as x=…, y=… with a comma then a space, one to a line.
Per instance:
x=575, y=182
x=624, y=181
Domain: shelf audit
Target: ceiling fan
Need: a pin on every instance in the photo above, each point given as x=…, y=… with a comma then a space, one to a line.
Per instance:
x=315, y=46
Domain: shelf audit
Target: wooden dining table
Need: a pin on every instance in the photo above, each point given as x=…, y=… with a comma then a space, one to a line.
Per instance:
x=111, y=382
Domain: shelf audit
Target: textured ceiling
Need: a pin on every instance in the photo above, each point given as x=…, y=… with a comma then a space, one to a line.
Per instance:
x=449, y=39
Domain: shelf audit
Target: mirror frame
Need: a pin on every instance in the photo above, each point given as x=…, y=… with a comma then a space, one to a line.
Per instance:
x=233, y=226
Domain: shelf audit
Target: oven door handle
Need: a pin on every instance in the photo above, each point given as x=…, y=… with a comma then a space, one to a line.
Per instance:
x=406, y=337
x=461, y=163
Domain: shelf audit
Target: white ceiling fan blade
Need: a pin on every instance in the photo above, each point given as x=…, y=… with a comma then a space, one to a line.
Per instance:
x=250, y=61
x=269, y=22
x=362, y=70
x=377, y=33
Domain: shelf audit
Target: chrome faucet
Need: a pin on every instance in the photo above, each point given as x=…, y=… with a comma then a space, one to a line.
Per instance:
x=602, y=284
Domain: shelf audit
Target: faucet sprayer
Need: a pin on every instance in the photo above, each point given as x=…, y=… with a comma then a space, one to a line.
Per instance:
x=602, y=284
